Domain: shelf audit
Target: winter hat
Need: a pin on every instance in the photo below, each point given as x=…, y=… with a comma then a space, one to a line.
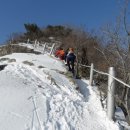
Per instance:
x=71, y=49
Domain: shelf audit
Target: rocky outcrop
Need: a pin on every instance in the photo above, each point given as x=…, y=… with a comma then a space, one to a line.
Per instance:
x=11, y=48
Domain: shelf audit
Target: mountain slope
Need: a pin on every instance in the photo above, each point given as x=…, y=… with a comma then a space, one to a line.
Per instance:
x=42, y=97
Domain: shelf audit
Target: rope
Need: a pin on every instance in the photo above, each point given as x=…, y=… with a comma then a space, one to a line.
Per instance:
x=100, y=72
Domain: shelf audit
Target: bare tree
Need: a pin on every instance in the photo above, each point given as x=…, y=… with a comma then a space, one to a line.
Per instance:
x=117, y=54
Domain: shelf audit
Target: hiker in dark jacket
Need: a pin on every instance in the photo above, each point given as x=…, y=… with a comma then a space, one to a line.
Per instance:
x=71, y=59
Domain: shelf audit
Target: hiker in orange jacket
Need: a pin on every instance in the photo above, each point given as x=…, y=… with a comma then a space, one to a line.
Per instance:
x=57, y=53
x=60, y=53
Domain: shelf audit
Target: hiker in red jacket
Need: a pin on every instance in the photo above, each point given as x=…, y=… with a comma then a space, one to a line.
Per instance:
x=57, y=52
x=60, y=53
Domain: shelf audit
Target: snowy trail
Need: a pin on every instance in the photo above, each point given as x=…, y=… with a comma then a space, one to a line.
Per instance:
x=44, y=99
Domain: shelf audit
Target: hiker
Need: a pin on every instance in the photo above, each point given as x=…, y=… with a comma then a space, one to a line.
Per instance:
x=60, y=53
x=71, y=59
x=57, y=52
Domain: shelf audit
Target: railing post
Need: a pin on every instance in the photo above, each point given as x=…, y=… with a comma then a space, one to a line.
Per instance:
x=38, y=44
x=91, y=75
x=28, y=41
x=52, y=48
x=110, y=94
x=44, y=47
x=35, y=43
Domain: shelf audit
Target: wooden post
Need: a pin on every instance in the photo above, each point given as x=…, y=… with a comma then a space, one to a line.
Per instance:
x=44, y=47
x=111, y=94
x=35, y=43
x=52, y=48
x=38, y=44
x=28, y=41
x=91, y=75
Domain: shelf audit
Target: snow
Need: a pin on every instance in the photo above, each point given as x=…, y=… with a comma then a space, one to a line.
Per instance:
x=44, y=98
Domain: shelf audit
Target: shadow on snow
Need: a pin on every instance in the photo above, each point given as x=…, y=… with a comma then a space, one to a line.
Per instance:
x=83, y=88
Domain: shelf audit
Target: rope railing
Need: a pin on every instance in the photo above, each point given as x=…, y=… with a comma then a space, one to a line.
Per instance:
x=104, y=73
x=45, y=47
x=85, y=65
x=111, y=87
